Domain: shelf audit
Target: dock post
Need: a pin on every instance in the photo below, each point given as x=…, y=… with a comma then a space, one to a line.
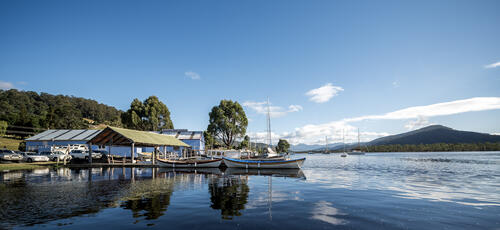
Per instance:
x=132, y=153
x=154, y=155
x=90, y=152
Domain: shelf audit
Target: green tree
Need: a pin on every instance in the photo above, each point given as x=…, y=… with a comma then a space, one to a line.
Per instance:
x=228, y=121
x=245, y=143
x=152, y=115
x=210, y=140
x=282, y=146
x=3, y=127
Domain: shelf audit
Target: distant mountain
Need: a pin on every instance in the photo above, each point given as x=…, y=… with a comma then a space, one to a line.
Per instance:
x=435, y=134
x=304, y=147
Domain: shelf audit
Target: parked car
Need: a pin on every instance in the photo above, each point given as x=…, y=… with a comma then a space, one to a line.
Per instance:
x=84, y=155
x=9, y=155
x=33, y=157
x=54, y=155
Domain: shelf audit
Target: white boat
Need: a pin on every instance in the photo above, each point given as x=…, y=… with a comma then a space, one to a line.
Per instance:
x=264, y=163
x=190, y=163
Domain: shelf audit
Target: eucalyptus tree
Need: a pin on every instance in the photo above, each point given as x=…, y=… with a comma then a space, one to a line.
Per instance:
x=228, y=122
x=152, y=115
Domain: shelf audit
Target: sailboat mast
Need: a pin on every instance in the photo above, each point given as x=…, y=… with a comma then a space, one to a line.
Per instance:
x=269, y=124
x=326, y=144
x=343, y=139
x=359, y=147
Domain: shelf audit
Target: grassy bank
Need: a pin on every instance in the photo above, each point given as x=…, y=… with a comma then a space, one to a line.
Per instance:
x=9, y=143
x=25, y=166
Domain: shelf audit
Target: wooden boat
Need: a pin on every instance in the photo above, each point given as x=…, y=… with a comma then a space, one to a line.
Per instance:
x=189, y=163
x=263, y=163
x=292, y=173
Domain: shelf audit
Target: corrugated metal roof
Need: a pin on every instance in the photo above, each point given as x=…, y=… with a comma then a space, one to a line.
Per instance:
x=184, y=135
x=139, y=137
x=65, y=135
x=87, y=135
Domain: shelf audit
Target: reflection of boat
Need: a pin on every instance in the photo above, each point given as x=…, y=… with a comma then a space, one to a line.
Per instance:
x=215, y=171
x=264, y=163
x=190, y=163
x=294, y=173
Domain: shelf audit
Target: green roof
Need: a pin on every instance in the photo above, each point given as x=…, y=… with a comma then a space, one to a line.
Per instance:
x=140, y=137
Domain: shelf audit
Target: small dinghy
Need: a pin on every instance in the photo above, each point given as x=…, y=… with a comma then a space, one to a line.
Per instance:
x=190, y=163
x=264, y=163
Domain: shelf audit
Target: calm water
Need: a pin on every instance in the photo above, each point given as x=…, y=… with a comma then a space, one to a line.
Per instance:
x=375, y=191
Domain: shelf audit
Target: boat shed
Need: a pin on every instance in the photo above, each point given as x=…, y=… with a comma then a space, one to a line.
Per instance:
x=59, y=137
x=112, y=136
x=195, y=139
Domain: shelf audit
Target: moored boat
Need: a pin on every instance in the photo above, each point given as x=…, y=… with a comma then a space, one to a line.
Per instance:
x=189, y=163
x=264, y=163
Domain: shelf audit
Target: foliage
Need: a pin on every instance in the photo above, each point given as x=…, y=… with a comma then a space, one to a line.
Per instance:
x=438, y=147
x=22, y=146
x=46, y=111
x=245, y=143
x=150, y=115
x=283, y=146
x=210, y=141
x=3, y=127
x=228, y=121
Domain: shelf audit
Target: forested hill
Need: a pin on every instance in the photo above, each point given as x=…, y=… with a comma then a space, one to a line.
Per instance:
x=435, y=134
x=30, y=109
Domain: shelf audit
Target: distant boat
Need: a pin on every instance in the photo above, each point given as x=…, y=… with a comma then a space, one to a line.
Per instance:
x=264, y=163
x=189, y=163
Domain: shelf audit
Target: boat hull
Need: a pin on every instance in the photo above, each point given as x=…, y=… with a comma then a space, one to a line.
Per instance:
x=190, y=164
x=264, y=164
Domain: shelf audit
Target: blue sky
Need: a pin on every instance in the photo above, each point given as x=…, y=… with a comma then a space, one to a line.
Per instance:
x=364, y=58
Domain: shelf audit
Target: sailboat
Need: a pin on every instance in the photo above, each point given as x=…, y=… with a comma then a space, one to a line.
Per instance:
x=357, y=150
x=344, y=154
x=326, y=145
x=273, y=160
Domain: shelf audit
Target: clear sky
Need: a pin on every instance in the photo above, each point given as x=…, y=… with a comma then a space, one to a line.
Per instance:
x=326, y=66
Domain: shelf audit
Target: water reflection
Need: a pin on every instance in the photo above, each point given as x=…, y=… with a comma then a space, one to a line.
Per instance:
x=43, y=195
x=462, y=178
x=324, y=211
x=229, y=195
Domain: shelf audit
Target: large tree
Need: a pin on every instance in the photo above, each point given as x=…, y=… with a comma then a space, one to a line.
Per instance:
x=282, y=146
x=150, y=115
x=228, y=121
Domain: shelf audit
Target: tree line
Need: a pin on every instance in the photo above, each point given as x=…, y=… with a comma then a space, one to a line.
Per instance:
x=437, y=147
x=28, y=112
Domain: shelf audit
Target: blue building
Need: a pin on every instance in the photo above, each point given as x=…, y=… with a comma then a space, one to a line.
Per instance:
x=195, y=139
